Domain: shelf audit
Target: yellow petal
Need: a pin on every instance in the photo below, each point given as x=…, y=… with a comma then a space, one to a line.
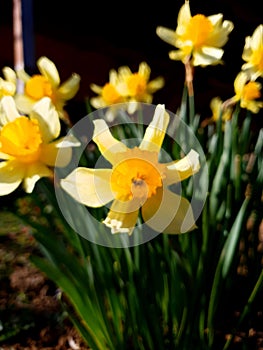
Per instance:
x=106, y=143
x=155, y=132
x=48, y=119
x=182, y=169
x=69, y=88
x=166, y=34
x=90, y=187
x=34, y=172
x=49, y=70
x=168, y=212
x=122, y=217
x=58, y=153
x=11, y=176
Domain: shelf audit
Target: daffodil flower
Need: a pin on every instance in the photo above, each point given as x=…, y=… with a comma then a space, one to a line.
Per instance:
x=46, y=84
x=136, y=182
x=8, y=84
x=198, y=38
x=247, y=92
x=137, y=86
x=218, y=111
x=126, y=86
x=29, y=145
x=253, y=54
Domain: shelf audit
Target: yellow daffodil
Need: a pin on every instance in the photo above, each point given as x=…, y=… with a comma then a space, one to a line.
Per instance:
x=137, y=86
x=8, y=84
x=137, y=181
x=253, y=54
x=126, y=86
x=29, y=145
x=218, y=110
x=46, y=84
x=247, y=92
x=198, y=38
x=109, y=94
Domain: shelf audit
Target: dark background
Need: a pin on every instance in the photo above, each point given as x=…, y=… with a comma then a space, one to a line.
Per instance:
x=91, y=37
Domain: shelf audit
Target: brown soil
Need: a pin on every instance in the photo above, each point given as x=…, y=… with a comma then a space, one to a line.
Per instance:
x=31, y=316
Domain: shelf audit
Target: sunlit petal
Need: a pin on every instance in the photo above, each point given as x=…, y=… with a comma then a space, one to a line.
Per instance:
x=48, y=119
x=106, y=143
x=9, y=109
x=180, y=170
x=168, y=212
x=69, y=88
x=10, y=177
x=58, y=153
x=155, y=132
x=49, y=70
x=90, y=187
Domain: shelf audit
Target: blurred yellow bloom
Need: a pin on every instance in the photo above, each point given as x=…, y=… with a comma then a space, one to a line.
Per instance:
x=217, y=107
x=46, y=84
x=253, y=54
x=8, y=84
x=247, y=92
x=126, y=86
x=137, y=86
x=198, y=38
x=108, y=94
x=136, y=181
x=27, y=146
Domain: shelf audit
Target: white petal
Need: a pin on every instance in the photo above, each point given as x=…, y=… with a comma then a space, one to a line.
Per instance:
x=90, y=187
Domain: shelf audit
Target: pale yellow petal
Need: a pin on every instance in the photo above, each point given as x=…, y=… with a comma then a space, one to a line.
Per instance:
x=22, y=75
x=155, y=84
x=155, y=132
x=69, y=88
x=166, y=34
x=182, y=169
x=144, y=70
x=9, y=74
x=167, y=212
x=10, y=112
x=49, y=70
x=96, y=88
x=48, y=118
x=11, y=176
x=122, y=217
x=24, y=103
x=90, y=187
x=106, y=143
x=34, y=172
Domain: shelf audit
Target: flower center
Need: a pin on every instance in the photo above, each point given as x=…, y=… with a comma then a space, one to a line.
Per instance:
x=110, y=94
x=251, y=91
x=138, y=175
x=198, y=30
x=21, y=139
x=38, y=86
x=136, y=84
